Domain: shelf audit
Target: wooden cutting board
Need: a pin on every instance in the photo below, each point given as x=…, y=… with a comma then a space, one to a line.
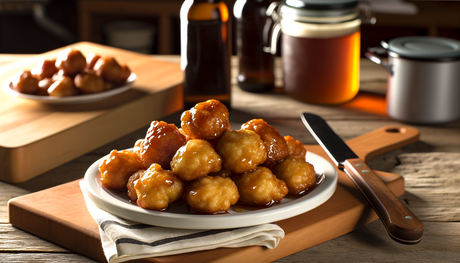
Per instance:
x=59, y=214
x=35, y=137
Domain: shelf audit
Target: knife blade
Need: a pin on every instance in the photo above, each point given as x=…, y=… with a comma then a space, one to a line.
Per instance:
x=401, y=224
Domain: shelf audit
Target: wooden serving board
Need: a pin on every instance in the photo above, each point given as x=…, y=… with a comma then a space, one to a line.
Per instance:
x=35, y=137
x=59, y=214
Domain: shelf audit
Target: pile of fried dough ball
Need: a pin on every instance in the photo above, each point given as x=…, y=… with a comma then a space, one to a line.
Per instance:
x=71, y=73
x=208, y=165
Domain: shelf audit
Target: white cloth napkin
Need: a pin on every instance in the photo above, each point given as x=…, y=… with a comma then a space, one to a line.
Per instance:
x=124, y=240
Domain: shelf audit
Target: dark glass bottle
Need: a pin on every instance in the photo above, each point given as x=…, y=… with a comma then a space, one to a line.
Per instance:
x=205, y=38
x=256, y=70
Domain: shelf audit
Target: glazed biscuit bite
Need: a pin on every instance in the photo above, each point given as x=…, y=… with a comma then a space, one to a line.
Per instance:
x=275, y=144
x=241, y=151
x=132, y=182
x=117, y=169
x=43, y=86
x=108, y=68
x=295, y=147
x=88, y=82
x=260, y=187
x=195, y=159
x=124, y=74
x=71, y=62
x=62, y=87
x=156, y=189
x=211, y=195
x=25, y=82
x=160, y=144
x=44, y=69
x=207, y=120
x=298, y=174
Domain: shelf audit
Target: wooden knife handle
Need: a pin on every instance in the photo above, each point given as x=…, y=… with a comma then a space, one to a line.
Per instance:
x=402, y=225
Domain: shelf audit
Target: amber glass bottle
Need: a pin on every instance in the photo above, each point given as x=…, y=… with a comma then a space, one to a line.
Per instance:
x=255, y=72
x=205, y=51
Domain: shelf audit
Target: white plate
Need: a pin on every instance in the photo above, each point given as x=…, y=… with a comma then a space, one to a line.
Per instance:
x=77, y=99
x=177, y=215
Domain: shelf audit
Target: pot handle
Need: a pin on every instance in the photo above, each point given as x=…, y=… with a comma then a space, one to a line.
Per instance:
x=371, y=55
x=274, y=35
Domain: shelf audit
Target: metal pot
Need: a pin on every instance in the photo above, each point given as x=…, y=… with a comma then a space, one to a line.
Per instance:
x=423, y=84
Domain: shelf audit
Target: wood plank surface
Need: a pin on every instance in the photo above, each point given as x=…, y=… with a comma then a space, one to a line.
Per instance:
x=35, y=137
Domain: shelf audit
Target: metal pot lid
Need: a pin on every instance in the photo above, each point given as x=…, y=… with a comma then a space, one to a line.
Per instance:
x=422, y=47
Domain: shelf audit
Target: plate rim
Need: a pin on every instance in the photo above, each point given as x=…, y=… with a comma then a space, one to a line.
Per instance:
x=77, y=99
x=221, y=221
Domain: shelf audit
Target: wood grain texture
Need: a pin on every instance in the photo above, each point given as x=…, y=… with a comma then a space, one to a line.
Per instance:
x=432, y=184
x=369, y=243
x=35, y=138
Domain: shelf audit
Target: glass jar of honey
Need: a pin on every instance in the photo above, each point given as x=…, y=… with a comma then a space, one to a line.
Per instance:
x=320, y=49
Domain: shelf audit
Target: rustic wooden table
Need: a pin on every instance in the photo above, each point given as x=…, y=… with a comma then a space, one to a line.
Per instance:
x=431, y=168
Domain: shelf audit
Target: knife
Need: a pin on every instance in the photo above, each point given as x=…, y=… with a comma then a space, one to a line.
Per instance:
x=402, y=225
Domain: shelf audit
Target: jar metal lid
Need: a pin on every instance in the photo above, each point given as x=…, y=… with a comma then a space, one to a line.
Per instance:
x=322, y=4
x=423, y=47
x=309, y=30
x=320, y=11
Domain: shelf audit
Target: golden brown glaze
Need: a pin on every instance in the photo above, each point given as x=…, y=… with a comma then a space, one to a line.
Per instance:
x=91, y=60
x=207, y=120
x=222, y=173
x=118, y=167
x=241, y=151
x=124, y=74
x=160, y=144
x=195, y=159
x=71, y=62
x=44, y=69
x=211, y=195
x=108, y=68
x=88, y=82
x=63, y=87
x=298, y=174
x=43, y=86
x=132, y=182
x=275, y=144
x=157, y=188
x=25, y=82
x=260, y=187
x=295, y=147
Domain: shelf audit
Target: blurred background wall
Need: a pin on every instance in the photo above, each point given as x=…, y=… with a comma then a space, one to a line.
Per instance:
x=37, y=26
